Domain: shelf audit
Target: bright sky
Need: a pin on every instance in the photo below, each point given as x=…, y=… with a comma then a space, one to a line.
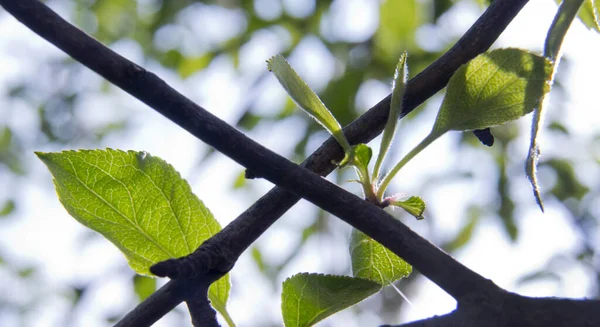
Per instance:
x=44, y=234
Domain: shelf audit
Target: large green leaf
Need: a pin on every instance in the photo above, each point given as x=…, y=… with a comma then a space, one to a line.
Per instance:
x=309, y=298
x=138, y=202
x=373, y=261
x=492, y=89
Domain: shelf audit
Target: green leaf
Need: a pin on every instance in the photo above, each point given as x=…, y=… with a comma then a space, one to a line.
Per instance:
x=398, y=86
x=309, y=298
x=258, y=259
x=114, y=19
x=413, y=205
x=559, y=128
x=143, y=286
x=362, y=156
x=339, y=94
x=492, y=89
x=138, y=202
x=556, y=34
x=395, y=35
x=304, y=96
x=190, y=65
x=590, y=14
x=567, y=183
x=373, y=261
x=359, y=157
x=240, y=180
x=7, y=208
x=26, y=272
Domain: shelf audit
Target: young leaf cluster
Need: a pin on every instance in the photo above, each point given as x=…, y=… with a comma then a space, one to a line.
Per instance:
x=492, y=89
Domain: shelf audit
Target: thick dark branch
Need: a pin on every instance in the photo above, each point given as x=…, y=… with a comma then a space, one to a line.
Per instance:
x=453, y=277
x=202, y=314
x=160, y=303
x=507, y=310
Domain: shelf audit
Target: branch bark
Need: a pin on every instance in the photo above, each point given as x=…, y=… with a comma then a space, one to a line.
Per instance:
x=170, y=295
x=509, y=309
x=202, y=314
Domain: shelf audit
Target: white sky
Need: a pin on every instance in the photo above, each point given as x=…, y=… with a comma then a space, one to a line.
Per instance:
x=43, y=232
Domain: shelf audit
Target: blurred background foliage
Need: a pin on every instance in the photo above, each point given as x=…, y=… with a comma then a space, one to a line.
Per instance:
x=47, y=107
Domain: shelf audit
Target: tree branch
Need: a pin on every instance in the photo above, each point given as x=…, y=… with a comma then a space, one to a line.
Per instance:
x=203, y=315
x=452, y=276
x=508, y=309
x=171, y=294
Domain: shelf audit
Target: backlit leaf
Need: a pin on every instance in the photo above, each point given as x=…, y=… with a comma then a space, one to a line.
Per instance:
x=138, y=202
x=413, y=205
x=309, y=298
x=143, y=286
x=306, y=98
x=362, y=155
x=590, y=14
x=492, y=89
x=398, y=86
x=373, y=261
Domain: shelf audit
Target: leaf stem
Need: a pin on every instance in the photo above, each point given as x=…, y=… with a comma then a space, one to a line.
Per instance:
x=227, y=318
x=365, y=182
x=385, y=182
